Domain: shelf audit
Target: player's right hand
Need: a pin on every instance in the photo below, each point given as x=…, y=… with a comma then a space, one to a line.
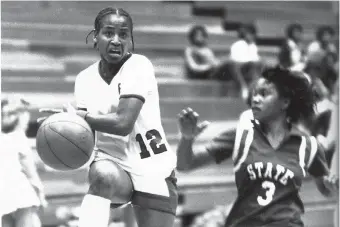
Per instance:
x=66, y=108
x=188, y=123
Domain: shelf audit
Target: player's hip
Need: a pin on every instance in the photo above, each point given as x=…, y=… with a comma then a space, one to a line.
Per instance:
x=154, y=166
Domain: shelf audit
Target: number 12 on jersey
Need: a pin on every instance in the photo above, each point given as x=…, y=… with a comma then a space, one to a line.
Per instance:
x=155, y=143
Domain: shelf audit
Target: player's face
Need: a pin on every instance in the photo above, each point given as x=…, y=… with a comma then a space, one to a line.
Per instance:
x=114, y=39
x=266, y=102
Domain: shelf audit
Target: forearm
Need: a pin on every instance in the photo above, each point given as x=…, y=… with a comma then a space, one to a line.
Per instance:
x=200, y=68
x=108, y=123
x=185, y=154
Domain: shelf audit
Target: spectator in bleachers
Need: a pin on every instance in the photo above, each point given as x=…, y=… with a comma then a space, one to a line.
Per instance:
x=245, y=57
x=291, y=53
x=200, y=60
x=322, y=57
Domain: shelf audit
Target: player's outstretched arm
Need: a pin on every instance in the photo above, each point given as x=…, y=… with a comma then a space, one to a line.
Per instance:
x=187, y=159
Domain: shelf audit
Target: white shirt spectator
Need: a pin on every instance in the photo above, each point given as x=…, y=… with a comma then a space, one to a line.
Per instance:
x=315, y=52
x=244, y=52
x=296, y=56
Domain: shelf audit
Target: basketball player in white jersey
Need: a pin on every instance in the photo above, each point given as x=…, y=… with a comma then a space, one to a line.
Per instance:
x=118, y=97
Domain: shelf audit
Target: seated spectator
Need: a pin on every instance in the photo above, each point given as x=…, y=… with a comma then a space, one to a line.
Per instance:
x=291, y=53
x=200, y=60
x=321, y=61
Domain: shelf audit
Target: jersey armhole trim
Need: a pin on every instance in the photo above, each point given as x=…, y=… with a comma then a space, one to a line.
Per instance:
x=141, y=98
x=302, y=154
x=314, y=149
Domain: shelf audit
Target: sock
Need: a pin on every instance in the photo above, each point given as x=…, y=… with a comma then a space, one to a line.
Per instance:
x=94, y=212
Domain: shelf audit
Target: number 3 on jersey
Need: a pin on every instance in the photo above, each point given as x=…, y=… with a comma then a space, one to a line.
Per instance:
x=270, y=190
x=155, y=143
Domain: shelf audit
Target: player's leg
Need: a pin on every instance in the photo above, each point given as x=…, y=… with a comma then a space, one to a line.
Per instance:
x=152, y=209
x=108, y=183
x=27, y=217
x=7, y=220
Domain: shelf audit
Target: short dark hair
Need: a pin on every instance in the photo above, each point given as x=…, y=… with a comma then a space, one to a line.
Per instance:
x=106, y=11
x=291, y=28
x=194, y=29
x=322, y=30
x=295, y=86
x=246, y=28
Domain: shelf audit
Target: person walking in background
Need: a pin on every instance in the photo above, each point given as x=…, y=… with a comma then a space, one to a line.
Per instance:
x=21, y=190
x=291, y=55
x=244, y=52
x=246, y=62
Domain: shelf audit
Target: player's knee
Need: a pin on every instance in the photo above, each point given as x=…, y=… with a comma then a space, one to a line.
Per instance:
x=104, y=178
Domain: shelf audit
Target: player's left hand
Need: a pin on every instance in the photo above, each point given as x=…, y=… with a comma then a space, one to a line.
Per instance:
x=331, y=182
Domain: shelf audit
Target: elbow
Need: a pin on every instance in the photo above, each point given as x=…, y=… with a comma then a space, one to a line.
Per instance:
x=184, y=167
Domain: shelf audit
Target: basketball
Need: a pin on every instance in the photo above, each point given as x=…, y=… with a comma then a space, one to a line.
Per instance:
x=65, y=141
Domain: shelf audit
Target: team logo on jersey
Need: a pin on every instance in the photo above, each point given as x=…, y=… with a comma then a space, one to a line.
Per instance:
x=260, y=170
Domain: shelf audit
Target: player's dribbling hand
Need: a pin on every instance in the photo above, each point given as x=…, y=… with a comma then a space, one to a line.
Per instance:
x=47, y=110
x=68, y=108
x=188, y=123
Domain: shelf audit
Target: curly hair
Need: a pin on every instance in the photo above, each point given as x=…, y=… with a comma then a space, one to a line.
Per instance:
x=106, y=11
x=296, y=86
x=194, y=30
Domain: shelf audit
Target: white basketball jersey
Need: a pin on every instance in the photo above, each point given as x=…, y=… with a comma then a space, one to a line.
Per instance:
x=145, y=150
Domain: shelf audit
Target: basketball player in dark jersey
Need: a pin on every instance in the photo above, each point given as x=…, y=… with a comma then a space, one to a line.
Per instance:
x=270, y=156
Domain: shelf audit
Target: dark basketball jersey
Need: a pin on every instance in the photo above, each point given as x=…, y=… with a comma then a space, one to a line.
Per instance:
x=268, y=180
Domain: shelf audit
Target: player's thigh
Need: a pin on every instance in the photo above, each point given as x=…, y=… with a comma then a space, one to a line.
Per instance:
x=7, y=220
x=153, y=218
x=107, y=179
x=155, y=200
x=27, y=217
